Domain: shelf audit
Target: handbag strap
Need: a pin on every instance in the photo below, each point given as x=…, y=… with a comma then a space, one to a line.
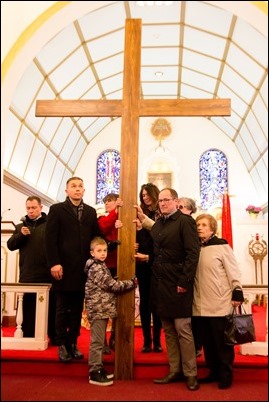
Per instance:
x=241, y=310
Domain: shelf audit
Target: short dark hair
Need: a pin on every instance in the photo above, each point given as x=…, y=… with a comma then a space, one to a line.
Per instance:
x=34, y=198
x=111, y=196
x=73, y=178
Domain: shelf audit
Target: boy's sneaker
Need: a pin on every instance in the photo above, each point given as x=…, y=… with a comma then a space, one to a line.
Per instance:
x=107, y=374
x=98, y=377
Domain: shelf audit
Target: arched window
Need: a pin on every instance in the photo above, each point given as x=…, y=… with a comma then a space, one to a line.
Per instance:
x=108, y=174
x=213, y=177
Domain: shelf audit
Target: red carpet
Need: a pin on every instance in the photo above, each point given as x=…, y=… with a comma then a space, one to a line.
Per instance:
x=39, y=376
x=145, y=360
x=248, y=385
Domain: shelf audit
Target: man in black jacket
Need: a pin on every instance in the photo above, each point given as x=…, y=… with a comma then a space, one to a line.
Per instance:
x=176, y=253
x=71, y=225
x=29, y=239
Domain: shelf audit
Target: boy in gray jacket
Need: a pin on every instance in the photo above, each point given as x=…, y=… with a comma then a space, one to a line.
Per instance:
x=100, y=302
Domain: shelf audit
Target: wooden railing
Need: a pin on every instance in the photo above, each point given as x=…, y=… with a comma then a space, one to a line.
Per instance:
x=250, y=292
x=40, y=340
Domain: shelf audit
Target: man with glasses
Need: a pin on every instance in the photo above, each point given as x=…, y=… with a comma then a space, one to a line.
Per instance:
x=176, y=252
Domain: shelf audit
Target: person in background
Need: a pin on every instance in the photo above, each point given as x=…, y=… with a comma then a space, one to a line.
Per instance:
x=217, y=288
x=109, y=225
x=71, y=225
x=176, y=252
x=100, y=302
x=144, y=257
x=188, y=206
x=29, y=239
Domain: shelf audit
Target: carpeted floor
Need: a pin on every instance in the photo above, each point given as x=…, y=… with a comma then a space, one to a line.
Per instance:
x=39, y=376
x=51, y=354
x=249, y=385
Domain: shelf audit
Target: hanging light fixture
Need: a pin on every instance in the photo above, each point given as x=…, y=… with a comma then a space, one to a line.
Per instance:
x=161, y=128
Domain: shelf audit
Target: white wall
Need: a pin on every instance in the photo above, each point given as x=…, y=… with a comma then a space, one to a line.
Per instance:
x=189, y=138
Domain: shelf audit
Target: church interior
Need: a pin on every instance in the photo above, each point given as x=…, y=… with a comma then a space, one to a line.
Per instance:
x=158, y=87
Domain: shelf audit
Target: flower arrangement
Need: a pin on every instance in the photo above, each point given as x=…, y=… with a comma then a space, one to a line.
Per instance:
x=251, y=209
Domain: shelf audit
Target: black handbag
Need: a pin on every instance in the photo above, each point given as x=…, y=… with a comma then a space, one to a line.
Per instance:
x=239, y=328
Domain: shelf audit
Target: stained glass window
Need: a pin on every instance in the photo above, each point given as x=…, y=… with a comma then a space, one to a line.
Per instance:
x=213, y=177
x=108, y=174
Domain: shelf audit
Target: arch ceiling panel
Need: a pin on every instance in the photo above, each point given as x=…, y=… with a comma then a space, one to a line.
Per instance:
x=198, y=50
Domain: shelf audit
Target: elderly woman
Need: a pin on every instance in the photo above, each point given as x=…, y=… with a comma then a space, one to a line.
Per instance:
x=217, y=289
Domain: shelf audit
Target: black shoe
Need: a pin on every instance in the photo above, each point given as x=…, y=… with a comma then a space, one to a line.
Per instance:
x=110, y=376
x=98, y=377
x=225, y=382
x=74, y=352
x=171, y=377
x=192, y=383
x=106, y=350
x=210, y=378
x=146, y=349
x=64, y=355
x=157, y=349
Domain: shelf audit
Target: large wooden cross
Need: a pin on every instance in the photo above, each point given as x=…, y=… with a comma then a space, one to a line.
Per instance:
x=130, y=108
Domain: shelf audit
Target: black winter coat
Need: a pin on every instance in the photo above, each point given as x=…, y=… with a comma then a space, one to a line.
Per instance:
x=176, y=254
x=68, y=243
x=32, y=254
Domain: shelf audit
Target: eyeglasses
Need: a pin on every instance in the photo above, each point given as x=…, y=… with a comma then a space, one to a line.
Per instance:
x=182, y=206
x=165, y=200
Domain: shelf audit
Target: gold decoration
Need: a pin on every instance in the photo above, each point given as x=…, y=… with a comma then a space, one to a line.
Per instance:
x=258, y=250
x=160, y=129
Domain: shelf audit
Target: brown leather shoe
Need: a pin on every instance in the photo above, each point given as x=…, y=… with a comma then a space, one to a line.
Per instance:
x=192, y=383
x=171, y=377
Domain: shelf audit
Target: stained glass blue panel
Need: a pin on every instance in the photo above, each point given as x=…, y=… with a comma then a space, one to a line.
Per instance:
x=108, y=174
x=213, y=177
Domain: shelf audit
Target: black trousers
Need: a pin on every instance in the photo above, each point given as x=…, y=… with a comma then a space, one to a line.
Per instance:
x=219, y=357
x=143, y=273
x=69, y=307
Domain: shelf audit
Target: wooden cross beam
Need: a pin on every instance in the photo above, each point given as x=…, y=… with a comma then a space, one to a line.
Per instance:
x=130, y=109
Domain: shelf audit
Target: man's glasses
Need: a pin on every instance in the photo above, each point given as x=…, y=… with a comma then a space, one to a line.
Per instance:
x=165, y=200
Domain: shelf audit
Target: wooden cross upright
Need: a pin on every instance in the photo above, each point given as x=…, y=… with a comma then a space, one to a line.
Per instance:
x=130, y=108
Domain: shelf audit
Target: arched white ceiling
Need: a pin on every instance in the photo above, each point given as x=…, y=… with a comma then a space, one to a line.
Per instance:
x=189, y=50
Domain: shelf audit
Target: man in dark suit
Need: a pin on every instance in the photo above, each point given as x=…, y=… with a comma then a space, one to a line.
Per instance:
x=71, y=225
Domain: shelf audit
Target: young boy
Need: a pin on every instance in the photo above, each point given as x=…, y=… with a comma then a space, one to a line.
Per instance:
x=100, y=301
